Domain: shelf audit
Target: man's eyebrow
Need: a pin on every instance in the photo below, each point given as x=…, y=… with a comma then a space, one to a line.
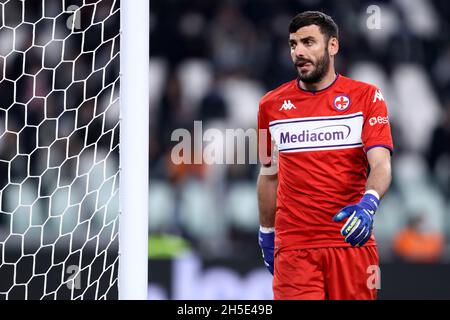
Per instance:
x=307, y=38
x=291, y=40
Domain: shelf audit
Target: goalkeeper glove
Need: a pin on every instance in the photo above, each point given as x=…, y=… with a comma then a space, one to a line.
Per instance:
x=358, y=228
x=266, y=241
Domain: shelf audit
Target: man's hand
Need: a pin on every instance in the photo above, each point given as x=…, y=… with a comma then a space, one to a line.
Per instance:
x=358, y=228
x=266, y=239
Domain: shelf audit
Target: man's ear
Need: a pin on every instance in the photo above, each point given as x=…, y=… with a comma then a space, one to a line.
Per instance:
x=333, y=46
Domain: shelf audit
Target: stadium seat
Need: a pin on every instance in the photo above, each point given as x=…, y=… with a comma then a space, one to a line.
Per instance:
x=390, y=217
x=409, y=168
x=161, y=206
x=242, y=208
x=418, y=109
x=447, y=220
x=158, y=75
x=242, y=96
x=200, y=212
x=420, y=17
x=418, y=193
x=373, y=73
x=195, y=78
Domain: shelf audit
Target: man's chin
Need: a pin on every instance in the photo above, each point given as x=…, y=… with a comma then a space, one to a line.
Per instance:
x=304, y=74
x=306, y=77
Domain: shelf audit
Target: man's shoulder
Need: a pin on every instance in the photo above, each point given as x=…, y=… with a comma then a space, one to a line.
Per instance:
x=357, y=84
x=273, y=95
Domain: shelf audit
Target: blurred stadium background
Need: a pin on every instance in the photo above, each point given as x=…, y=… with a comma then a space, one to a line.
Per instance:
x=212, y=61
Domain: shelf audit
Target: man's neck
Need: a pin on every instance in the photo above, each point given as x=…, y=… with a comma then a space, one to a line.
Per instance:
x=326, y=81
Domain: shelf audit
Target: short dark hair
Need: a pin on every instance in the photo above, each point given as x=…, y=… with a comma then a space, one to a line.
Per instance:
x=325, y=23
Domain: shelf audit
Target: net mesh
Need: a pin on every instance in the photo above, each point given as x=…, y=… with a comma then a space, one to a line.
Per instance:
x=59, y=140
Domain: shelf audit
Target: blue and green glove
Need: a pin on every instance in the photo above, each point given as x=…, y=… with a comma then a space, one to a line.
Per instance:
x=358, y=228
x=266, y=240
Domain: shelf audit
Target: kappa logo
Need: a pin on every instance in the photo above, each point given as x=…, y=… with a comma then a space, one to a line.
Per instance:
x=287, y=105
x=341, y=102
x=378, y=96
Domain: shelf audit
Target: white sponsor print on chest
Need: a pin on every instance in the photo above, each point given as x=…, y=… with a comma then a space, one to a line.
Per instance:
x=318, y=133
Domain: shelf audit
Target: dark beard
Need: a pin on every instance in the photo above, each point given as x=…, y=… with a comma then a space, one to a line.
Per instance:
x=319, y=72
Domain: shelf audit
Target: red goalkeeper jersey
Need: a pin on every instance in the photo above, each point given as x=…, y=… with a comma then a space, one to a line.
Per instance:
x=322, y=138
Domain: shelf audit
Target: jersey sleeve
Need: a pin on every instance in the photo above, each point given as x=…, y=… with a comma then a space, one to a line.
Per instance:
x=264, y=137
x=376, y=130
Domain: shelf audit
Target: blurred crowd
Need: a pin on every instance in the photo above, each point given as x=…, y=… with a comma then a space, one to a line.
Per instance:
x=213, y=60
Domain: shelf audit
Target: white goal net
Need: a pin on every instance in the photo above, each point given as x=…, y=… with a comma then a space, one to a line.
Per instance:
x=59, y=149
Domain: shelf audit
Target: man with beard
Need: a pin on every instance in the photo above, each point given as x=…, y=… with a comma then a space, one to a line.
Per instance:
x=325, y=145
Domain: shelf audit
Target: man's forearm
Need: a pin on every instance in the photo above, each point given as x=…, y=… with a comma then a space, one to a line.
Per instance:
x=267, y=199
x=379, y=178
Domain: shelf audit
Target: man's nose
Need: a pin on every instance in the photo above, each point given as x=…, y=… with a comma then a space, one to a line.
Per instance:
x=299, y=51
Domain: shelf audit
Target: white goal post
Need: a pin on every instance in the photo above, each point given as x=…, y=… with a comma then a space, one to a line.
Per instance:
x=134, y=65
x=74, y=114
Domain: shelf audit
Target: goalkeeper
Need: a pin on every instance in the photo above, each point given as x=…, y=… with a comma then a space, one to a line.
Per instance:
x=318, y=197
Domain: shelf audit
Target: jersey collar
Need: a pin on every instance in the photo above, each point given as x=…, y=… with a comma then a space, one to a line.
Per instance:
x=297, y=83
